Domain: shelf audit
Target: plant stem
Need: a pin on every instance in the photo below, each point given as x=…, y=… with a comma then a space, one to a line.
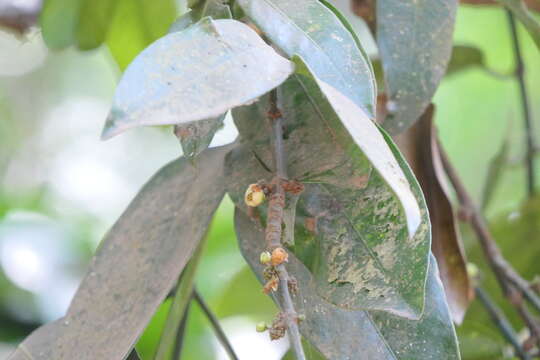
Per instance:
x=220, y=334
x=501, y=322
x=513, y=285
x=274, y=222
x=520, y=76
x=181, y=334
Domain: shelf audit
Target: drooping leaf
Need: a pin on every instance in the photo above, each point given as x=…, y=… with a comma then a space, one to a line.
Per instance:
x=522, y=13
x=346, y=334
x=135, y=266
x=415, y=42
x=419, y=145
x=309, y=29
x=195, y=74
x=136, y=24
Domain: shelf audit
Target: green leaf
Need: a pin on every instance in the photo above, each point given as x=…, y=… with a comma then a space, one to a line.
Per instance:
x=415, y=42
x=136, y=24
x=136, y=265
x=358, y=252
x=311, y=30
x=465, y=57
x=520, y=10
x=58, y=20
x=94, y=20
x=346, y=334
x=195, y=74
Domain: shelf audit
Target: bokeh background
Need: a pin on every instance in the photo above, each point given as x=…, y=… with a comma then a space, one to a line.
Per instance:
x=61, y=188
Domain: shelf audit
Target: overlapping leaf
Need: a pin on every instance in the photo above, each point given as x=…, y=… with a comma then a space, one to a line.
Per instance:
x=310, y=29
x=195, y=74
x=136, y=265
x=415, y=42
x=353, y=234
x=344, y=334
x=420, y=147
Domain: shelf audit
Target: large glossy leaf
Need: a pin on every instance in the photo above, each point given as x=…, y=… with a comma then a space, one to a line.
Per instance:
x=195, y=74
x=420, y=148
x=346, y=334
x=335, y=127
x=310, y=29
x=135, y=266
x=350, y=240
x=136, y=24
x=415, y=42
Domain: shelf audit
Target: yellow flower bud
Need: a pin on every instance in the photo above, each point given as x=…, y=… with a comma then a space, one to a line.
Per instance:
x=254, y=195
x=265, y=257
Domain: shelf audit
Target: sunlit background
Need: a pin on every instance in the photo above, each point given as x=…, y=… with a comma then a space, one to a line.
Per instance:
x=61, y=187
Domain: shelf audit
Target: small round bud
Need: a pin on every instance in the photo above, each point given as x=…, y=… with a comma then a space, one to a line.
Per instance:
x=254, y=195
x=261, y=327
x=301, y=317
x=472, y=270
x=265, y=257
x=279, y=256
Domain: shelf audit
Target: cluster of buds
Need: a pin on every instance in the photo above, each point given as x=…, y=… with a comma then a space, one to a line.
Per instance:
x=271, y=260
x=279, y=326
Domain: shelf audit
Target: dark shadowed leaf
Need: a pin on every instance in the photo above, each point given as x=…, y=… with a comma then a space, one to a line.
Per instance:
x=133, y=356
x=136, y=265
x=359, y=254
x=465, y=57
x=522, y=13
x=346, y=334
x=195, y=74
x=309, y=29
x=415, y=42
x=136, y=24
x=419, y=146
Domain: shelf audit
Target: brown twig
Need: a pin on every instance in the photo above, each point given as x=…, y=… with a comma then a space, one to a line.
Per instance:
x=529, y=131
x=274, y=222
x=514, y=287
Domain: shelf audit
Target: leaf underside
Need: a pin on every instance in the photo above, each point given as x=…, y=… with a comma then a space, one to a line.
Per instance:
x=195, y=74
x=136, y=265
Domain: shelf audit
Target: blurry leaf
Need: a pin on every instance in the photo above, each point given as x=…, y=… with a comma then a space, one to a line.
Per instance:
x=94, y=20
x=195, y=74
x=517, y=234
x=345, y=334
x=495, y=169
x=213, y=8
x=415, y=43
x=532, y=4
x=136, y=24
x=464, y=57
x=522, y=13
x=59, y=20
x=196, y=136
x=19, y=16
x=309, y=29
x=350, y=240
x=419, y=145
x=135, y=266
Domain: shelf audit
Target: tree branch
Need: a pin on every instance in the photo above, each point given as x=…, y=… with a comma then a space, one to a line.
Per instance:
x=220, y=334
x=501, y=322
x=514, y=287
x=274, y=222
x=529, y=131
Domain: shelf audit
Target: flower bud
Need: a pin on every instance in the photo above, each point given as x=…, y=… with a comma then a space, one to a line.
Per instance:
x=265, y=257
x=254, y=195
